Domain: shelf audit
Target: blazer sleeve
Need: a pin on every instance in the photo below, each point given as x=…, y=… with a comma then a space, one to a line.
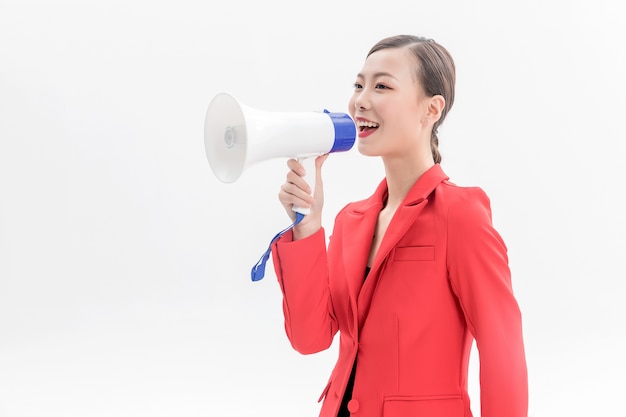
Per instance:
x=481, y=279
x=302, y=270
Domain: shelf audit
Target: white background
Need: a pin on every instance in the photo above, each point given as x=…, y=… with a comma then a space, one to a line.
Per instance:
x=124, y=263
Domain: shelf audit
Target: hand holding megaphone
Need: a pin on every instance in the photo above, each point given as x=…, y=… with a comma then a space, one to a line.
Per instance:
x=304, y=192
x=308, y=179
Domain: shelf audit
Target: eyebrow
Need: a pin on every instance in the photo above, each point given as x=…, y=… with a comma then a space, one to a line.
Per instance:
x=377, y=74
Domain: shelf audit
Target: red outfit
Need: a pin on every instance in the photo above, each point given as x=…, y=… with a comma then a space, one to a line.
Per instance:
x=439, y=279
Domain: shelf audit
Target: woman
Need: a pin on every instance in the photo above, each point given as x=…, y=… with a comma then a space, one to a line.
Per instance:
x=412, y=274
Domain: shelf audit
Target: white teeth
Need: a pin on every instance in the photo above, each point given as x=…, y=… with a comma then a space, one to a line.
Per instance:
x=366, y=124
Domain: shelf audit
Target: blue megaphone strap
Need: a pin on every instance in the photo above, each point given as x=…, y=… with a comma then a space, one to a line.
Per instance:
x=258, y=270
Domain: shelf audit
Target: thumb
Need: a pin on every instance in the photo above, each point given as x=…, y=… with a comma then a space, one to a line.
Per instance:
x=318, y=192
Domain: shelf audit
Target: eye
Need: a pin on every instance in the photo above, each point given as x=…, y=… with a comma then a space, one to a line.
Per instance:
x=357, y=86
x=381, y=87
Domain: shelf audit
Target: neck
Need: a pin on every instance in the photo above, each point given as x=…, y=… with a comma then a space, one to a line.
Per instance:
x=401, y=176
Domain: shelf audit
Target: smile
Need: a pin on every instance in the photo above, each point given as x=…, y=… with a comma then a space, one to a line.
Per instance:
x=366, y=125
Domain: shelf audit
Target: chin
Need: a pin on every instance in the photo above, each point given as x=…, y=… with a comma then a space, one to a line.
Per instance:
x=366, y=150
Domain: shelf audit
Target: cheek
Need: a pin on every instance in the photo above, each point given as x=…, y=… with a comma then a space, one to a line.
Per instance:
x=351, y=106
x=409, y=117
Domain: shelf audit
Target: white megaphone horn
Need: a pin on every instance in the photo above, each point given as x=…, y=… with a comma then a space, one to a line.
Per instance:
x=237, y=136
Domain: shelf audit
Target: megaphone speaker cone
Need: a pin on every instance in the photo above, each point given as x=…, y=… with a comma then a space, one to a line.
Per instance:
x=225, y=137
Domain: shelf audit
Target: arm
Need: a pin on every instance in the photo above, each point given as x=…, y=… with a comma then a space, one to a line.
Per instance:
x=301, y=265
x=481, y=278
x=302, y=271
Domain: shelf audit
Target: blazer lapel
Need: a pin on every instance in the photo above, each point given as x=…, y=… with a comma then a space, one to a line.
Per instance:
x=404, y=217
x=357, y=234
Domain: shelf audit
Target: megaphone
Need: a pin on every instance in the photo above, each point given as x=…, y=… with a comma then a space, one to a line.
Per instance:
x=237, y=136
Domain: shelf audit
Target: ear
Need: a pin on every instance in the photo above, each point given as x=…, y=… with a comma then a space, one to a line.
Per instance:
x=435, y=106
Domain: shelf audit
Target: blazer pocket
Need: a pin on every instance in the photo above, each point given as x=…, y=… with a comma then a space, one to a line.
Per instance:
x=443, y=405
x=414, y=253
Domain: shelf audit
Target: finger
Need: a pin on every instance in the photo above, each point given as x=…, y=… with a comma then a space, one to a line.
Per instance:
x=319, y=162
x=296, y=167
x=299, y=181
x=291, y=195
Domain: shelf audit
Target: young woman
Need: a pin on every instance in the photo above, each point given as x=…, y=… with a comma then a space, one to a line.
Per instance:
x=412, y=274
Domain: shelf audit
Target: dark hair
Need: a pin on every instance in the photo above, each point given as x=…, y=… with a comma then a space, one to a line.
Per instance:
x=435, y=72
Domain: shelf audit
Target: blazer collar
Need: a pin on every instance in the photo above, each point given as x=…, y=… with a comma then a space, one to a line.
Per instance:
x=422, y=188
x=359, y=229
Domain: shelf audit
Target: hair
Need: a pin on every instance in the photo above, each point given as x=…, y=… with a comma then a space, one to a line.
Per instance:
x=435, y=72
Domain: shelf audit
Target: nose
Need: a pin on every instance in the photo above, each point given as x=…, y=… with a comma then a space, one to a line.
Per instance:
x=360, y=101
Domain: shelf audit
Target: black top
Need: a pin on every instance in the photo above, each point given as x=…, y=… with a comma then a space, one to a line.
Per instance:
x=343, y=409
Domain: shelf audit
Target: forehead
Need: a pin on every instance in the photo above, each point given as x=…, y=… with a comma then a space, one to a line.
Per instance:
x=397, y=62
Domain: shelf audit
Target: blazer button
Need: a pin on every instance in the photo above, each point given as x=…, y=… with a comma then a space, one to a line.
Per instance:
x=353, y=406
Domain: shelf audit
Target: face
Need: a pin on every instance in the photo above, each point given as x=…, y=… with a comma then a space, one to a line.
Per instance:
x=389, y=105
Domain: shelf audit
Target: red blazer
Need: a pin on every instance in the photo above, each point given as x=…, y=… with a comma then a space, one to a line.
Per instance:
x=439, y=280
